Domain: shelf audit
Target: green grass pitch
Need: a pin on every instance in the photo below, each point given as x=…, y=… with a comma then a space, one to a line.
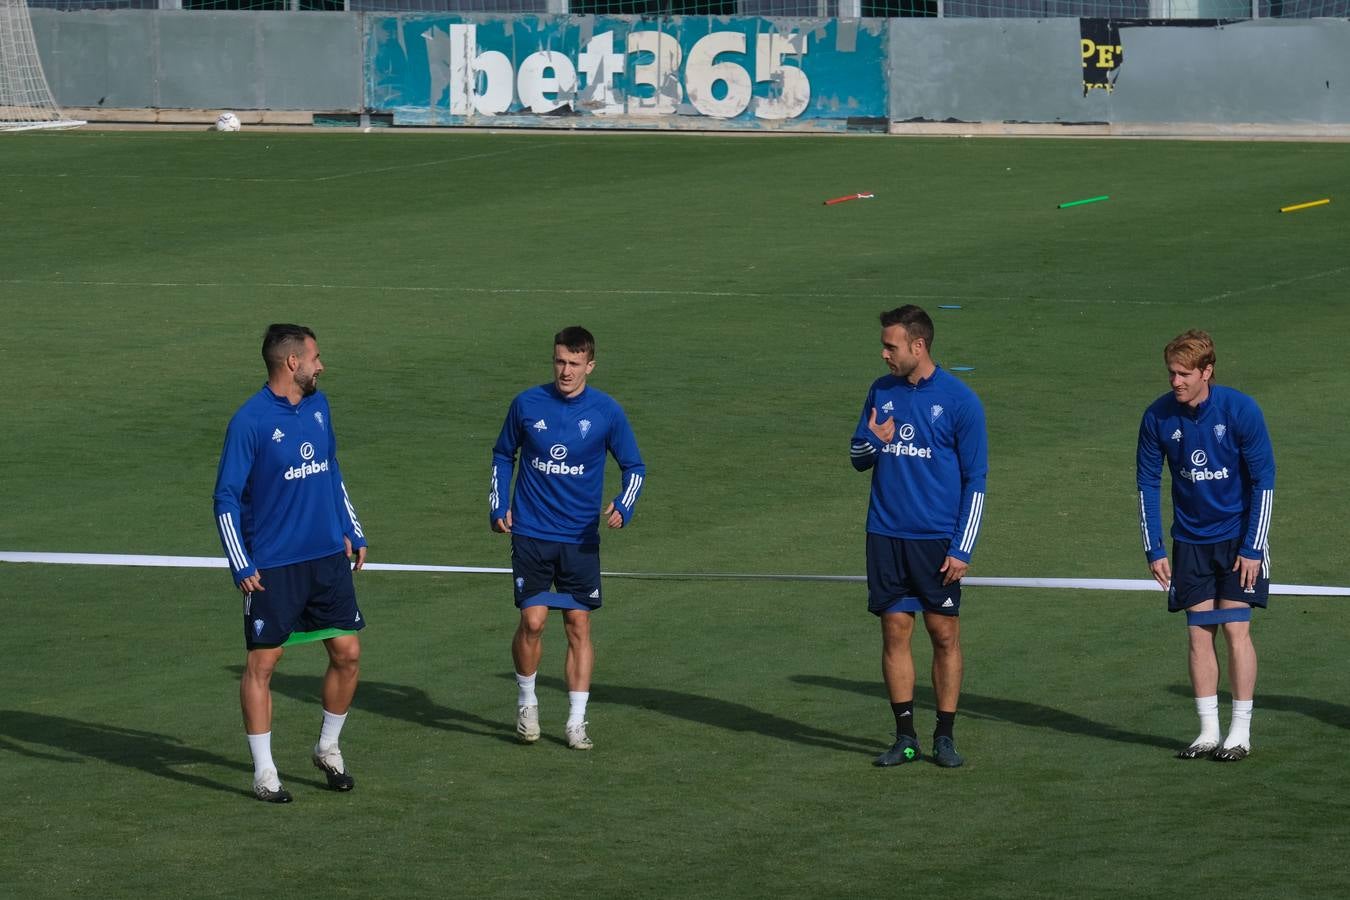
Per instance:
x=736, y=317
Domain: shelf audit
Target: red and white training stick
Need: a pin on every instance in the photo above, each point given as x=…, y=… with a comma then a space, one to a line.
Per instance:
x=847, y=197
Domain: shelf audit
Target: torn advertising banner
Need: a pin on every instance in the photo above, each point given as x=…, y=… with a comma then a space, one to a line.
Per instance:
x=1101, y=52
x=624, y=71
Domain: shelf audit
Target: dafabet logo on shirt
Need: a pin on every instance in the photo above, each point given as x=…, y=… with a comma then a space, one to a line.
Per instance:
x=306, y=468
x=1200, y=459
x=904, y=447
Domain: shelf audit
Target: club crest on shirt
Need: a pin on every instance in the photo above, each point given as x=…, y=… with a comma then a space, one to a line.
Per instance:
x=585, y=426
x=540, y=426
x=1220, y=431
x=318, y=417
x=934, y=412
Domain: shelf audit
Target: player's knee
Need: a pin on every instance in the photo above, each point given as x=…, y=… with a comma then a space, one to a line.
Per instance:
x=259, y=666
x=897, y=628
x=530, y=633
x=946, y=642
x=944, y=631
x=257, y=678
x=344, y=654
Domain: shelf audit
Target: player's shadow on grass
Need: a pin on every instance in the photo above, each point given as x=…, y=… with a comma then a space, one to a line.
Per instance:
x=720, y=714
x=161, y=755
x=397, y=701
x=1337, y=714
x=1017, y=712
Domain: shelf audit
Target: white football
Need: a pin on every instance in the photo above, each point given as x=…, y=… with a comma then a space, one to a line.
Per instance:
x=227, y=121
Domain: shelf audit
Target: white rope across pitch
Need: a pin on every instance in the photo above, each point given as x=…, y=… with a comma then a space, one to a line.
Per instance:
x=214, y=562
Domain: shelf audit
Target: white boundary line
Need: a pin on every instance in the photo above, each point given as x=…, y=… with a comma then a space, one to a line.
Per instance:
x=467, y=289
x=1272, y=285
x=566, y=291
x=317, y=179
x=213, y=562
x=635, y=292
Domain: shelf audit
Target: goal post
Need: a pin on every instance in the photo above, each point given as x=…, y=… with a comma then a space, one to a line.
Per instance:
x=26, y=100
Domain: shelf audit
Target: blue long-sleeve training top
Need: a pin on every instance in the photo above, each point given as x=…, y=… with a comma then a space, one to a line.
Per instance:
x=562, y=444
x=1223, y=472
x=928, y=483
x=279, y=495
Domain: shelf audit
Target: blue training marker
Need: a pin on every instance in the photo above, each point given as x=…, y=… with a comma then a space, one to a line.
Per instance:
x=962, y=368
x=949, y=307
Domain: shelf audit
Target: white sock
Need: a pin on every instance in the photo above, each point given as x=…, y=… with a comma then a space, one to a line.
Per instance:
x=1208, y=710
x=1240, y=729
x=526, y=696
x=576, y=714
x=260, y=745
x=332, y=727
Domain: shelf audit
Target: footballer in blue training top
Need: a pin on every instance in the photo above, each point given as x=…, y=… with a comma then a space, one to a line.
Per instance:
x=922, y=435
x=562, y=433
x=1215, y=444
x=288, y=528
x=279, y=495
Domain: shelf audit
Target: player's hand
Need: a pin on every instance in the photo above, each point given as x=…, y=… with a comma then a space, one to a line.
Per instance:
x=953, y=570
x=502, y=525
x=1247, y=570
x=613, y=518
x=360, y=554
x=885, y=431
x=251, y=583
x=1162, y=572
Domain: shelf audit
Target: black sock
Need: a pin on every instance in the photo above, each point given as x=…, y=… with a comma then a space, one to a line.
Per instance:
x=904, y=718
x=945, y=721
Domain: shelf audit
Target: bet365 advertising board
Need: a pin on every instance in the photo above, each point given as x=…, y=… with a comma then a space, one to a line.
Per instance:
x=627, y=72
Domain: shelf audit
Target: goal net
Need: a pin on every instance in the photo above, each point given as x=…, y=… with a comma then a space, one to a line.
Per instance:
x=26, y=99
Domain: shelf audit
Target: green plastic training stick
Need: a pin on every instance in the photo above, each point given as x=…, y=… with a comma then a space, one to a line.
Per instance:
x=1081, y=202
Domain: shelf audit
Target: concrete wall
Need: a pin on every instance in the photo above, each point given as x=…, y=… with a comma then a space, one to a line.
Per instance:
x=1262, y=71
x=1273, y=72
x=1022, y=70
x=988, y=70
x=202, y=60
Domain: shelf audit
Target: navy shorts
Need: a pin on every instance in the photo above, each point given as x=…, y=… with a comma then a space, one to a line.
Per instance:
x=537, y=566
x=904, y=576
x=1203, y=572
x=304, y=596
